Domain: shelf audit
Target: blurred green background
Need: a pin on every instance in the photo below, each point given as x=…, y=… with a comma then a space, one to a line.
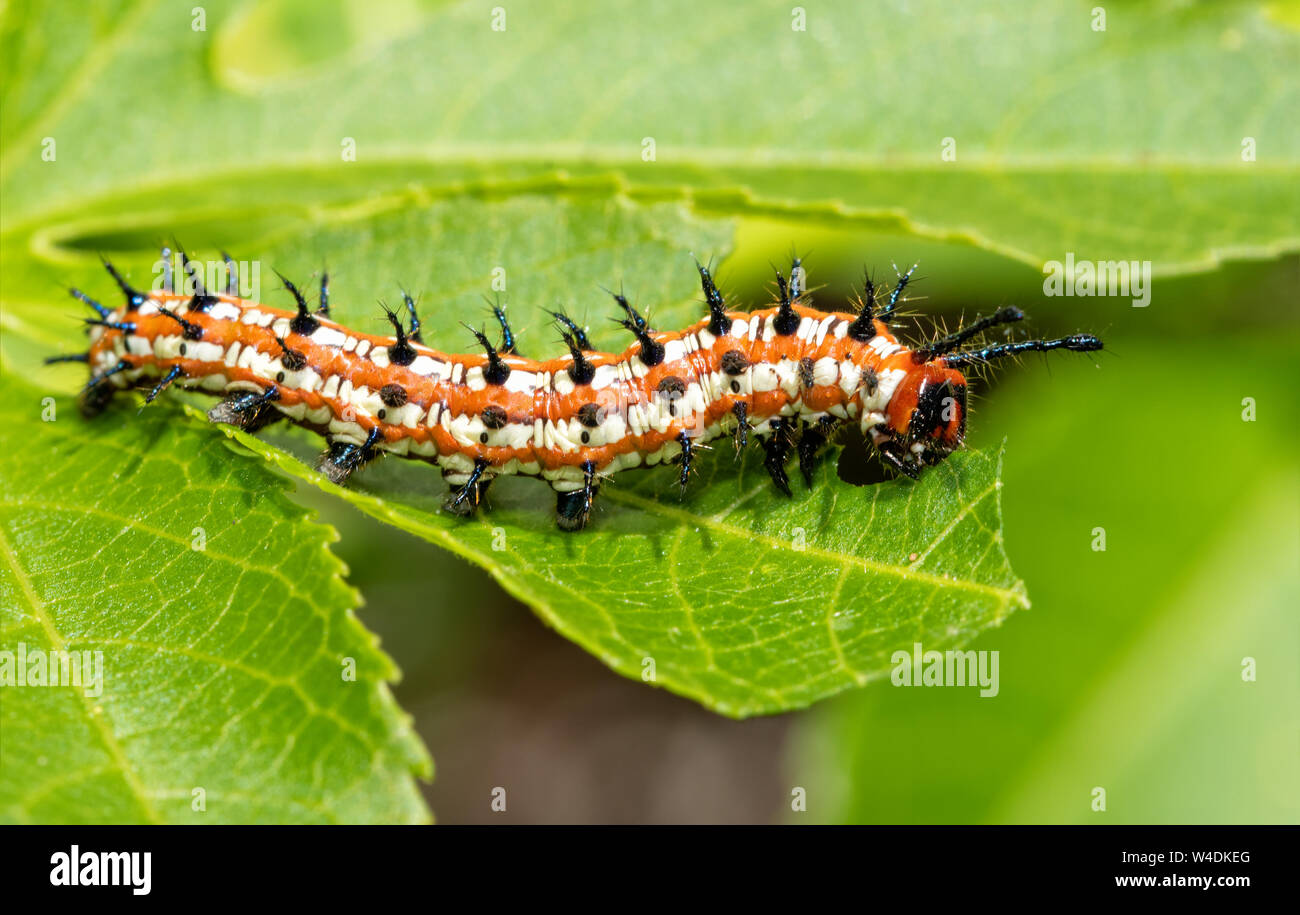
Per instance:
x=1124, y=142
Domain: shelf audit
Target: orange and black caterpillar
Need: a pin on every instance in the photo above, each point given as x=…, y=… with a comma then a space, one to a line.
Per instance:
x=786, y=376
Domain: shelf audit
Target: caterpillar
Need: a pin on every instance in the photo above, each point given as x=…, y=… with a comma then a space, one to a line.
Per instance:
x=785, y=377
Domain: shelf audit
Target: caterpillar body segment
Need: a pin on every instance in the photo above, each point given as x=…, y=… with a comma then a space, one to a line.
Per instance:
x=786, y=376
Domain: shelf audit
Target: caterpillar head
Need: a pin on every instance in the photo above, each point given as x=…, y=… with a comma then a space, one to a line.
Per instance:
x=925, y=420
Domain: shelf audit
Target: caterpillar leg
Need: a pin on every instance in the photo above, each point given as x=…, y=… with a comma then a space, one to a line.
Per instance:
x=777, y=448
x=573, y=508
x=342, y=458
x=248, y=411
x=98, y=391
x=811, y=442
x=741, y=412
x=94, y=399
x=895, y=456
x=686, y=459
x=465, y=498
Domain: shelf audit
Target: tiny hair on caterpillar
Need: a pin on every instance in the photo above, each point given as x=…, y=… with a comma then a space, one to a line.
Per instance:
x=784, y=377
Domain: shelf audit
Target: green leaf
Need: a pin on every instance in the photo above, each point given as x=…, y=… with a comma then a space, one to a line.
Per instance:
x=1067, y=136
x=222, y=626
x=733, y=596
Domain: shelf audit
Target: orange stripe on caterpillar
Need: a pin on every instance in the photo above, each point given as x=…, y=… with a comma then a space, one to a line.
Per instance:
x=786, y=376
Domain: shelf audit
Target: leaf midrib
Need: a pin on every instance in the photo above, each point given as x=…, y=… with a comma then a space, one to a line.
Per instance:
x=903, y=573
